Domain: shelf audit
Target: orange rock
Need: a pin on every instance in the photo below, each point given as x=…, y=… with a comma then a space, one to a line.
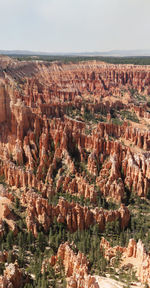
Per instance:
x=13, y=277
x=39, y=212
x=134, y=254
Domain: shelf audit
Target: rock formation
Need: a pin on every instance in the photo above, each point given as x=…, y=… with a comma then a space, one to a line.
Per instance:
x=73, y=131
x=13, y=277
x=75, y=216
x=31, y=142
x=6, y=216
x=76, y=270
x=134, y=254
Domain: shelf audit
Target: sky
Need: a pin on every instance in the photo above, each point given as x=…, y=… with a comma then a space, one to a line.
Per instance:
x=74, y=25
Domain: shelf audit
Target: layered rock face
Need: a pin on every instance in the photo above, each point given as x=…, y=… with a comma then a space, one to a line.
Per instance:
x=37, y=151
x=42, y=153
x=67, y=81
x=134, y=254
x=75, y=216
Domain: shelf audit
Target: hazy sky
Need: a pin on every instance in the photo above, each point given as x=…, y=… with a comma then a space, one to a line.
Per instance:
x=74, y=25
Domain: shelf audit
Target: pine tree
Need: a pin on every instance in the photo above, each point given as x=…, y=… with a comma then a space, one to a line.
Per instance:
x=41, y=241
x=10, y=257
x=9, y=240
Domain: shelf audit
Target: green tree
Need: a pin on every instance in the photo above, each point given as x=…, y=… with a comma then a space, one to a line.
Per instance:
x=9, y=240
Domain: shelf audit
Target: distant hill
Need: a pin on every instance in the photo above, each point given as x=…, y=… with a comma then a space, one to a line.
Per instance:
x=112, y=53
